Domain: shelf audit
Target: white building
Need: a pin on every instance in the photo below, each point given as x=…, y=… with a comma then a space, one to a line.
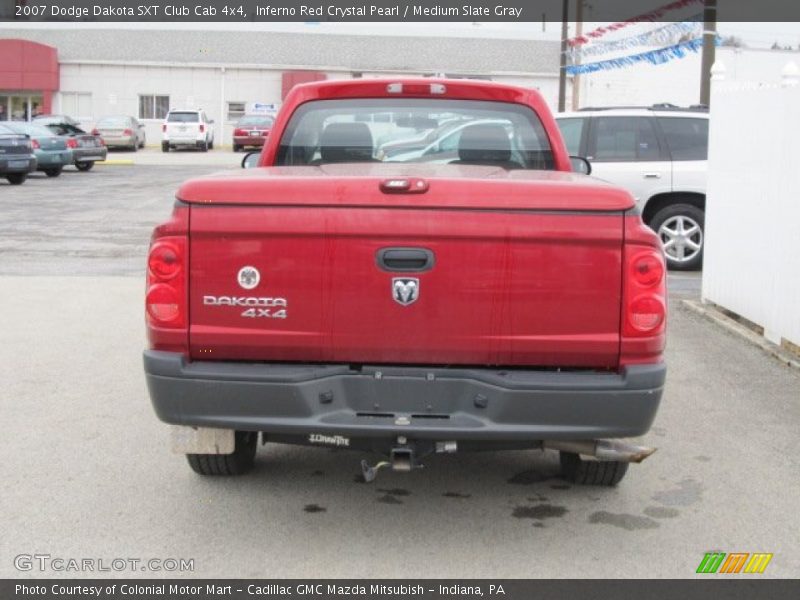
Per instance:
x=144, y=72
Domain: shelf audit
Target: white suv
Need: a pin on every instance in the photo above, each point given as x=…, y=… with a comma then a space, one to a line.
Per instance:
x=183, y=128
x=659, y=154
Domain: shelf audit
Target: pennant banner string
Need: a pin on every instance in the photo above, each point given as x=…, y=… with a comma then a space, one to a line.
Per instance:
x=655, y=57
x=651, y=16
x=656, y=37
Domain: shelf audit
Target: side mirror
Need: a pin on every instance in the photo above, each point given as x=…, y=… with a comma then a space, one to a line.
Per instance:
x=250, y=160
x=580, y=165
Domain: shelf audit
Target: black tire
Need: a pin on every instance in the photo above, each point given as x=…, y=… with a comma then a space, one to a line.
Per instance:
x=135, y=147
x=53, y=172
x=237, y=463
x=687, y=211
x=84, y=166
x=16, y=178
x=211, y=144
x=204, y=146
x=164, y=146
x=236, y=147
x=591, y=472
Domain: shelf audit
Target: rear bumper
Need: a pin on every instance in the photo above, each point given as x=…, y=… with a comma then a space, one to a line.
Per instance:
x=249, y=140
x=52, y=159
x=120, y=142
x=18, y=164
x=89, y=154
x=417, y=402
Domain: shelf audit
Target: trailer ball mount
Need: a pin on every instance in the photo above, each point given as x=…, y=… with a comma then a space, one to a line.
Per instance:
x=405, y=457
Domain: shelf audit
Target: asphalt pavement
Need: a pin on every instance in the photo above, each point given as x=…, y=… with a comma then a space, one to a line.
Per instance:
x=87, y=470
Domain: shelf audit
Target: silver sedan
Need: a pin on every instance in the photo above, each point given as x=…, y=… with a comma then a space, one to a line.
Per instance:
x=121, y=132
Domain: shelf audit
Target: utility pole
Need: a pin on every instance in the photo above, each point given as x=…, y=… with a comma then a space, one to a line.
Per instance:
x=562, y=73
x=709, y=49
x=576, y=79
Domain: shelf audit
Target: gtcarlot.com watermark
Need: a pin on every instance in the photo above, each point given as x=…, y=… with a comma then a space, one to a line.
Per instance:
x=60, y=564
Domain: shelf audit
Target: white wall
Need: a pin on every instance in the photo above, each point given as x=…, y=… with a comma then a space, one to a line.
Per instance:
x=752, y=251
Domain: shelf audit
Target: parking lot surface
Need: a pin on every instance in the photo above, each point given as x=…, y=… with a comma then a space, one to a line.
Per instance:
x=87, y=470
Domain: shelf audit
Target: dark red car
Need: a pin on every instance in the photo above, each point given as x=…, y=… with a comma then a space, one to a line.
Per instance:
x=251, y=131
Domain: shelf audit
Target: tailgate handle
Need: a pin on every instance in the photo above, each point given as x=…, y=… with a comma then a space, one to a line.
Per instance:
x=405, y=259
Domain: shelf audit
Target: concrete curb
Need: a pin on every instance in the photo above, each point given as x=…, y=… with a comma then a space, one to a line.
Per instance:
x=712, y=314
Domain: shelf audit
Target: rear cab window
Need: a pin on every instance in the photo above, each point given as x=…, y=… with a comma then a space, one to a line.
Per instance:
x=686, y=138
x=463, y=132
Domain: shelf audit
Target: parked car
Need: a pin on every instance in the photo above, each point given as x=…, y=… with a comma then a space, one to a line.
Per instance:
x=121, y=132
x=446, y=146
x=86, y=148
x=330, y=299
x=658, y=153
x=50, y=150
x=419, y=139
x=187, y=129
x=16, y=156
x=252, y=130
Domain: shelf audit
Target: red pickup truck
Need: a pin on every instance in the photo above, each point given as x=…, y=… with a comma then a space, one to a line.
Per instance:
x=470, y=293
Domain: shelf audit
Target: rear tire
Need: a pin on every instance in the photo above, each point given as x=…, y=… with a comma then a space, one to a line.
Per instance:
x=204, y=146
x=53, y=172
x=237, y=463
x=84, y=166
x=16, y=178
x=164, y=146
x=236, y=147
x=591, y=472
x=135, y=147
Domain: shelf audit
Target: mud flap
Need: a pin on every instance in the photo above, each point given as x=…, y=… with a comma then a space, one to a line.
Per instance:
x=202, y=440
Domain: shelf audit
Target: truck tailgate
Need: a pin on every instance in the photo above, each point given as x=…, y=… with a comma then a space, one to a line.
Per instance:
x=532, y=287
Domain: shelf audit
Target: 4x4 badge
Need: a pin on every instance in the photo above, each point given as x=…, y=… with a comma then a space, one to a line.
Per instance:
x=405, y=290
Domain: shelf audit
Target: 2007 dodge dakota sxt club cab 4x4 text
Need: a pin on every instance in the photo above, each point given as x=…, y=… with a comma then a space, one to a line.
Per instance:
x=470, y=292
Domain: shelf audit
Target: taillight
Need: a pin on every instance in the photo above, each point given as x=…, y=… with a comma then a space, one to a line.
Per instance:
x=95, y=131
x=646, y=314
x=164, y=127
x=163, y=304
x=647, y=269
x=239, y=132
x=35, y=144
x=164, y=261
x=166, y=298
x=126, y=132
x=645, y=310
x=202, y=128
x=72, y=143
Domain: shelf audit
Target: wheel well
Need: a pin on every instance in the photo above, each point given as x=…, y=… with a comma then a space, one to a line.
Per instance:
x=659, y=201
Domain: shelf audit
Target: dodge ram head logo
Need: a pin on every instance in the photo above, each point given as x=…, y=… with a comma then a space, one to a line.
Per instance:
x=248, y=277
x=405, y=290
